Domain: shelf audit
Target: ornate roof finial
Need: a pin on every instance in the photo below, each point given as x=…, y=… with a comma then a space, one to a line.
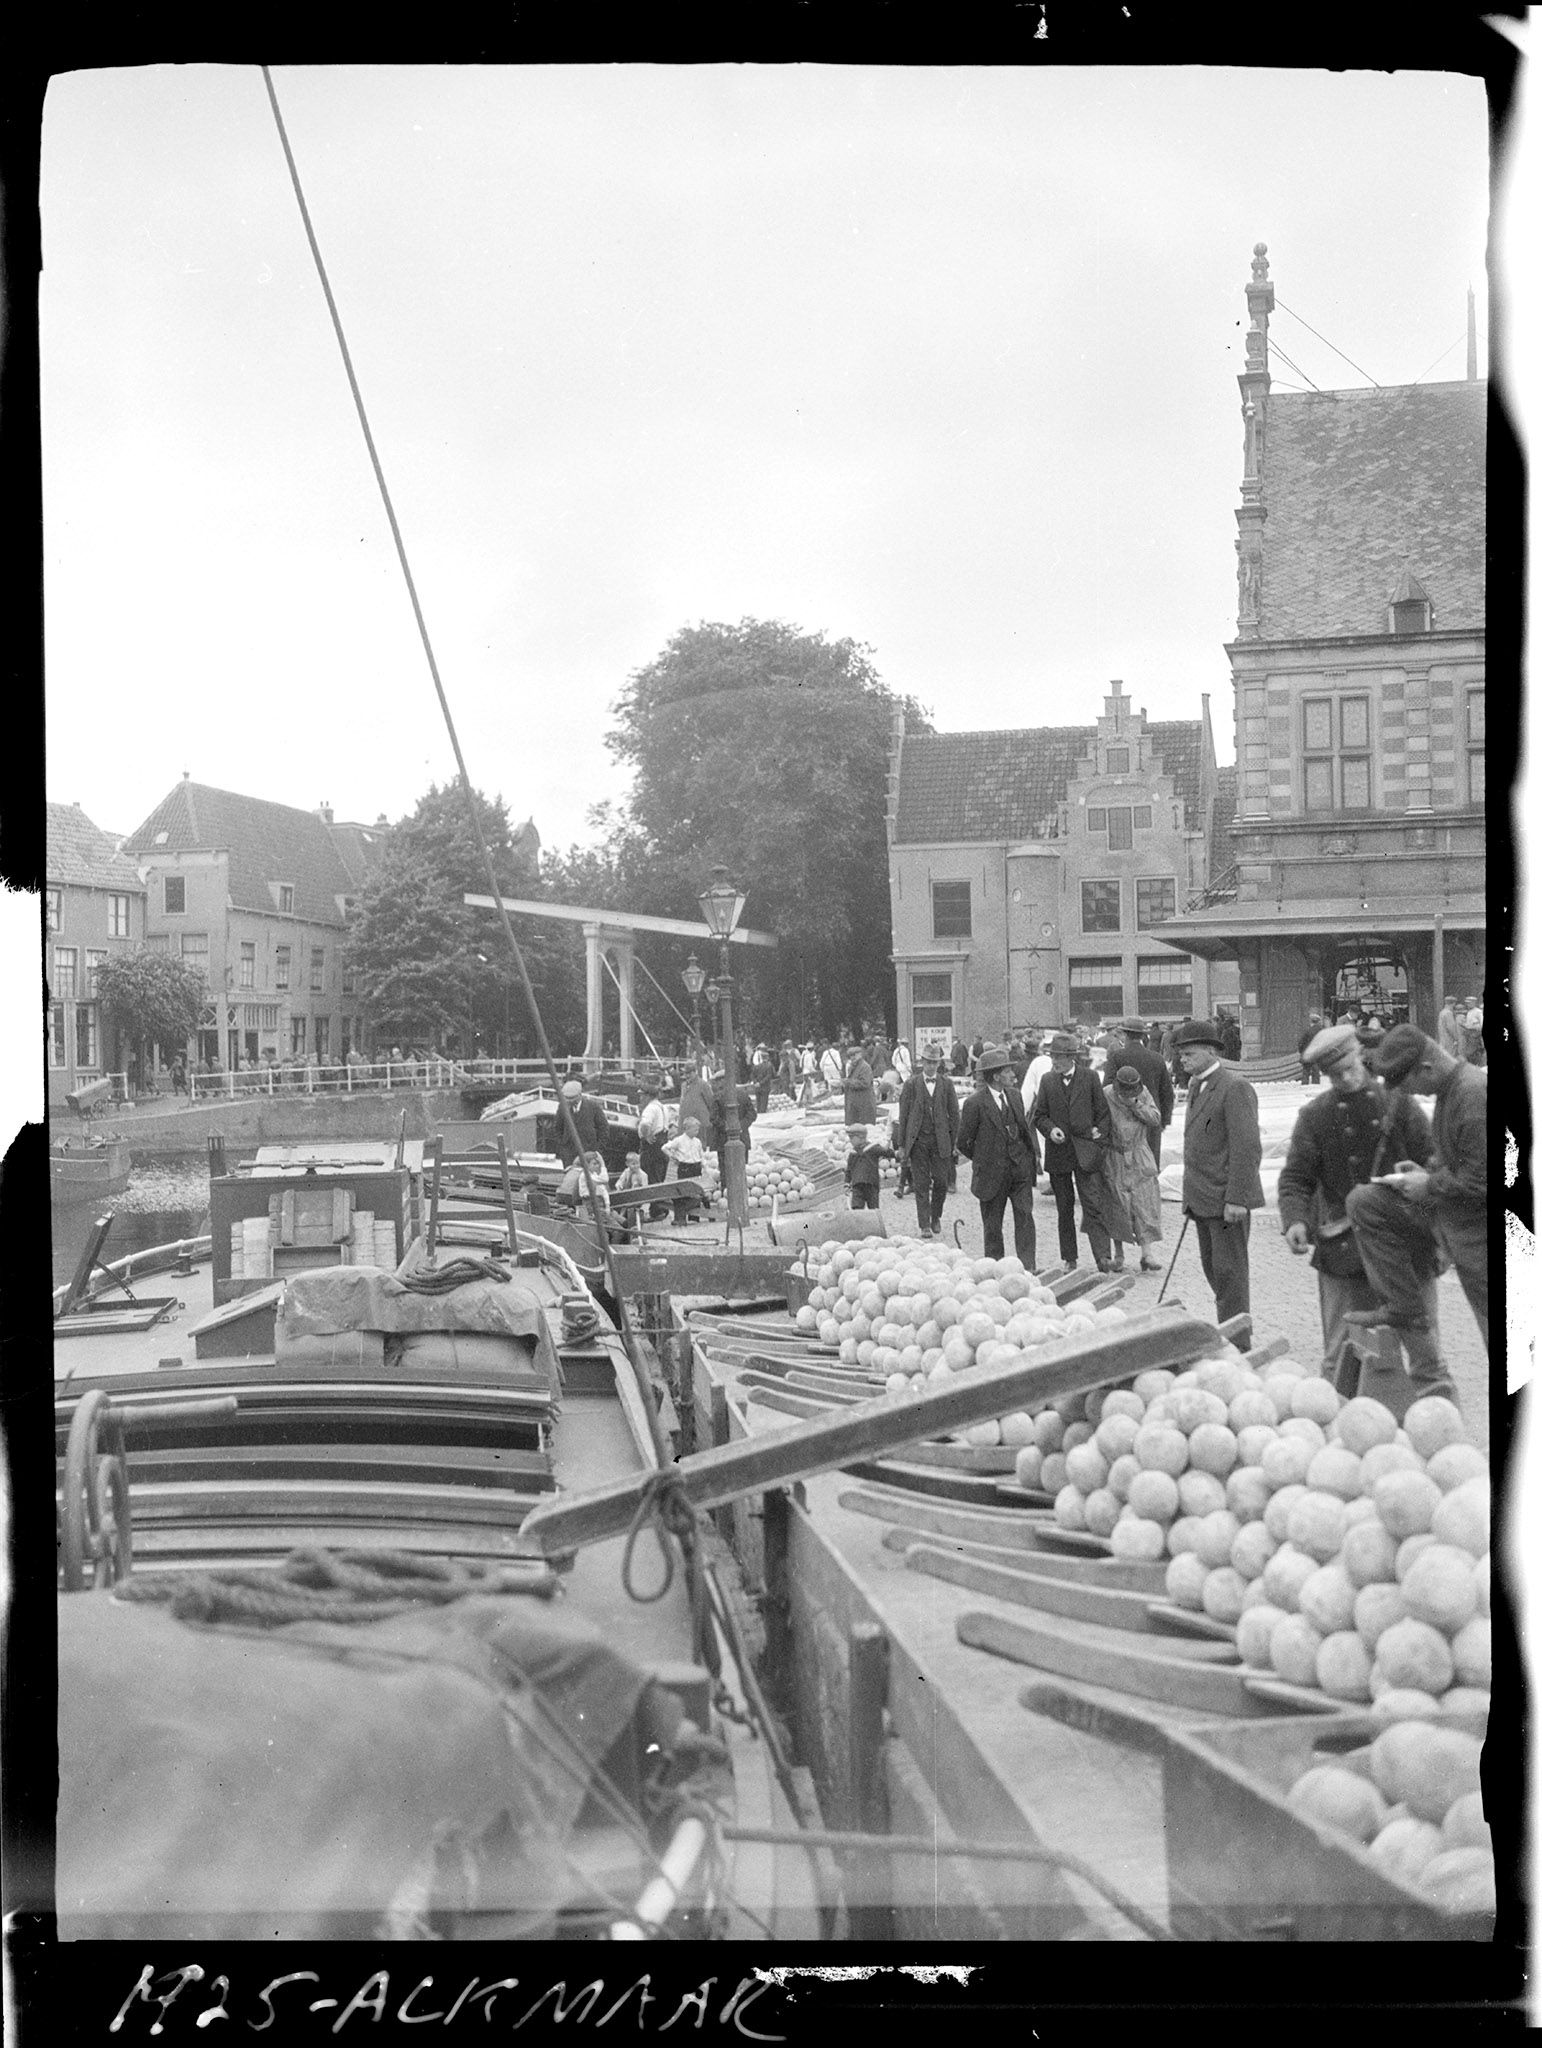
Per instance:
x=1260, y=261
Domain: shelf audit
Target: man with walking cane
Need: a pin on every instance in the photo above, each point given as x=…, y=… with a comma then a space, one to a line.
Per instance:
x=1221, y=1154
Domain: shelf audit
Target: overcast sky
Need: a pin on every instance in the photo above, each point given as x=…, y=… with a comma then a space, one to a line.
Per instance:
x=941, y=359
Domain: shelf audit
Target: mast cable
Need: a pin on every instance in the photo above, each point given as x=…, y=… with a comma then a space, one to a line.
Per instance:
x=1325, y=342
x=628, y=1337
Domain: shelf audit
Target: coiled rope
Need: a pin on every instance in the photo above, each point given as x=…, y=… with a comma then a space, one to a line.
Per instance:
x=328, y=1585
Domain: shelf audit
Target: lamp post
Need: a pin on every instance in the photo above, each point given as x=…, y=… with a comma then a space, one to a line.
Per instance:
x=695, y=978
x=722, y=905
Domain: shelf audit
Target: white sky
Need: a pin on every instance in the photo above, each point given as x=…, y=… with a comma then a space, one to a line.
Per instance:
x=939, y=358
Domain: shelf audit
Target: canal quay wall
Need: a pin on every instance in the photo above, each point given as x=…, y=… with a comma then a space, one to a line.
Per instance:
x=245, y=1123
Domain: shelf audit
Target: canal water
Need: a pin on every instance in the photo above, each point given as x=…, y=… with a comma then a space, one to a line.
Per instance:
x=132, y=1231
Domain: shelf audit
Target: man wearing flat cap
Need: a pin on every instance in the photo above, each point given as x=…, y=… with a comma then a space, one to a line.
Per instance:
x=926, y=1137
x=1416, y=1206
x=1152, y=1069
x=1354, y=1129
x=590, y=1121
x=994, y=1134
x=1221, y=1154
x=1070, y=1113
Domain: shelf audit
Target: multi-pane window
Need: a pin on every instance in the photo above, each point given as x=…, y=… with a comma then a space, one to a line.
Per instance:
x=117, y=917
x=281, y=967
x=318, y=968
x=297, y=1034
x=1096, y=987
x=1117, y=761
x=1336, y=758
x=55, y=901
x=1142, y=817
x=85, y=1034
x=56, y=1035
x=1475, y=746
x=931, y=1001
x=286, y=898
x=1154, y=901
x=248, y=963
x=1164, y=988
x=951, y=914
x=1100, y=906
x=350, y=978
x=176, y=895
x=1119, y=834
x=268, y=1017
x=1120, y=822
x=64, y=973
x=195, y=952
x=1097, y=818
x=323, y=1037
x=95, y=955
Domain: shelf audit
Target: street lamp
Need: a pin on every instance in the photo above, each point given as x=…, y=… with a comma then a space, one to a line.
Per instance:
x=722, y=905
x=695, y=978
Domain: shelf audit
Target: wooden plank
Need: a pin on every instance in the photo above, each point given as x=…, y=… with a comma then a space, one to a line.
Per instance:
x=785, y=1403
x=1078, y=1542
x=524, y=1471
x=710, y=1478
x=987, y=1458
x=205, y=1548
x=702, y=1270
x=1184, y=1621
x=967, y=1489
x=321, y=1500
x=1071, y=1599
x=1123, y=1575
x=1048, y=1646
x=260, y=1379
x=998, y=1529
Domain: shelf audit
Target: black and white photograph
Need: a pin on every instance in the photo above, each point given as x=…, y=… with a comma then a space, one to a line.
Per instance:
x=765, y=1033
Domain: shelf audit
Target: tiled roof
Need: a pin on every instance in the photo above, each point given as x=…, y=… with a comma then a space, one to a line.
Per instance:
x=1224, y=812
x=266, y=843
x=1361, y=487
x=78, y=853
x=1177, y=743
x=965, y=786
x=359, y=848
x=985, y=785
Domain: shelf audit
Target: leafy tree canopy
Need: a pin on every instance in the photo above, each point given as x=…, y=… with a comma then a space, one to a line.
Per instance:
x=766, y=749
x=152, y=998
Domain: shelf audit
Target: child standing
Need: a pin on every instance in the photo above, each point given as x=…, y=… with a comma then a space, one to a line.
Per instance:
x=688, y=1155
x=862, y=1166
x=632, y=1175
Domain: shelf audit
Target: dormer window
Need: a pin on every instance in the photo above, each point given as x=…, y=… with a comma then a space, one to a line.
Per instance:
x=1410, y=609
x=286, y=899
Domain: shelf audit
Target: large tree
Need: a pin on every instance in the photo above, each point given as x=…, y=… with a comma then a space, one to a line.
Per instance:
x=766, y=749
x=150, y=998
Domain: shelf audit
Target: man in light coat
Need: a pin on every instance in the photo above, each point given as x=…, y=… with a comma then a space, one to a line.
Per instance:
x=1221, y=1154
x=926, y=1138
x=995, y=1135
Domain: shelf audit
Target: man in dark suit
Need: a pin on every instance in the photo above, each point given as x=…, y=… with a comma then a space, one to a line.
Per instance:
x=1221, y=1153
x=926, y=1138
x=995, y=1135
x=1152, y=1069
x=590, y=1121
x=1071, y=1115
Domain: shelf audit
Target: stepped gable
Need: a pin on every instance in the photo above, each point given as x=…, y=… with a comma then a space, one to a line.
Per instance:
x=1177, y=744
x=266, y=842
x=80, y=855
x=1363, y=487
x=985, y=785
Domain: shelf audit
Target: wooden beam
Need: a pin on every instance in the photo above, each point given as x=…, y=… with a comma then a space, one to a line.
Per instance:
x=620, y=920
x=711, y=1478
x=702, y=1271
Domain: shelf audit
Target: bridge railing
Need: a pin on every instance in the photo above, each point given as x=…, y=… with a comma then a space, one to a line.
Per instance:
x=365, y=1076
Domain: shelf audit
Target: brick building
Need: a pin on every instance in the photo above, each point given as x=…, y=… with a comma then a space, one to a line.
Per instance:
x=1358, y=669
x=94, y=906
x=255, y=895
x=1030, y=871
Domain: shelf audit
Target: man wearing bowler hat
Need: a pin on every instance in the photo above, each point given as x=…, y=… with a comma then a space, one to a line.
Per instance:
x=1350, y=1132
x=1070, y=1113
x=926, y=1137
x=1221, y=1154
x=995, y=1135
x=1152, y=1069
x=1413, y=1205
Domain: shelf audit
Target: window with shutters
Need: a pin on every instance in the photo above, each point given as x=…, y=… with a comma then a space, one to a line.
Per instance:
x=1335, y=753
x=1100, y=906
x=952, y=917
x=176, y=895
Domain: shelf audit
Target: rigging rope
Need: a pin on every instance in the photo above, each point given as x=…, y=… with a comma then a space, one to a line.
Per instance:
x=628, y=1337
x=1280, y=303
x=690, y=1027
x=642, y=1027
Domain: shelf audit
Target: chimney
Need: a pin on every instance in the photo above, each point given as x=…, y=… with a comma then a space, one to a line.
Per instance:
x=1472, y=338
x=324, y=813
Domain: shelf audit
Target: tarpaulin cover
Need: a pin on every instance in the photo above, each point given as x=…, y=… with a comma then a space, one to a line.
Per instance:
x=334, y=1299
x=319, y=1779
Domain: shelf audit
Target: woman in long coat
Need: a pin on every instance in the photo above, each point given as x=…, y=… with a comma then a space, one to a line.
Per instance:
x=1133, y=1199
x=861, y=1096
